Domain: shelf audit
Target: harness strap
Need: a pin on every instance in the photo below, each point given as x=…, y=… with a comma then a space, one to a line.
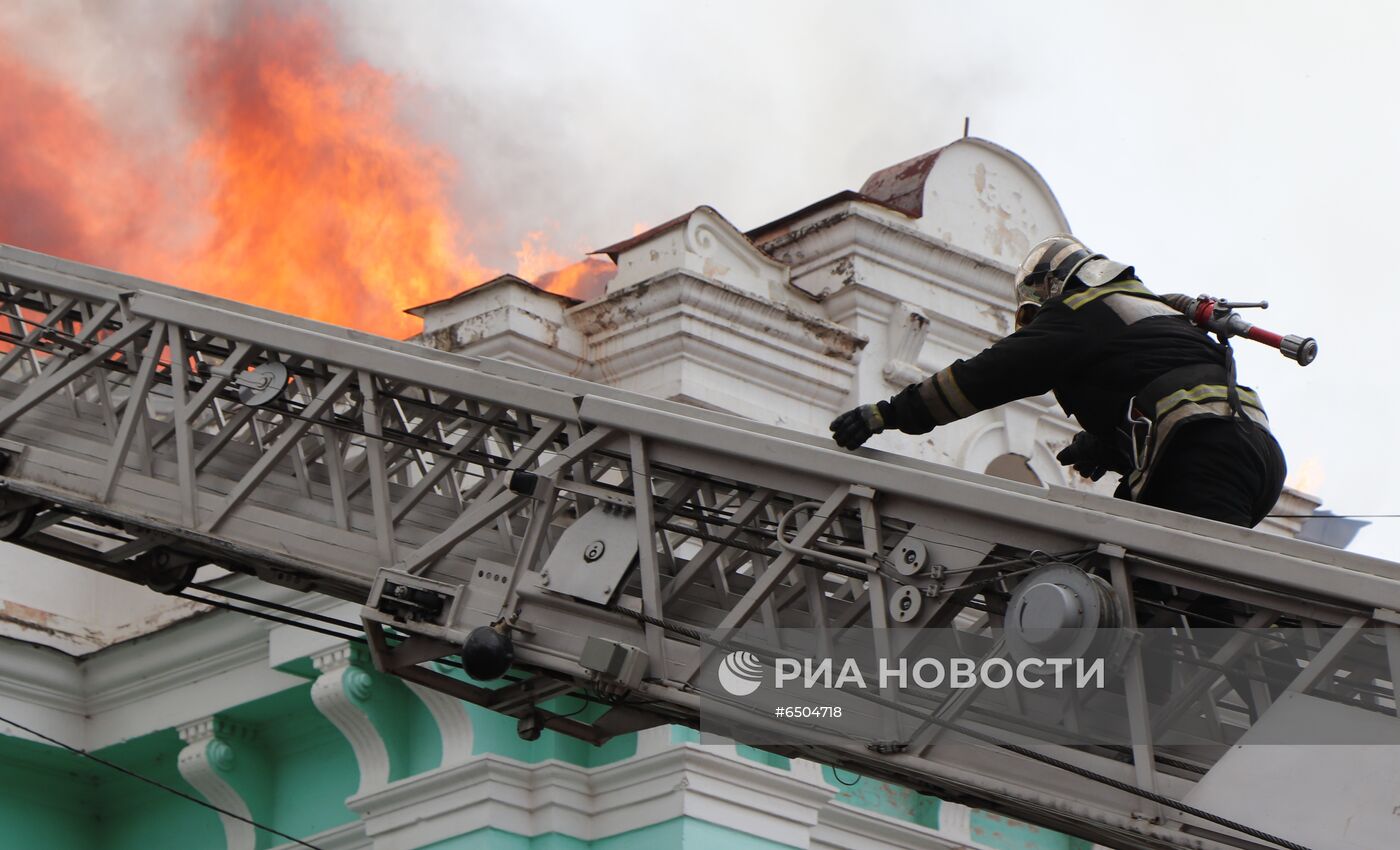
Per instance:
x=1179, y=396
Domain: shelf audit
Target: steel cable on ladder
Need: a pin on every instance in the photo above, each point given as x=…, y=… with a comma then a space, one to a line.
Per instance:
x=1128, y=788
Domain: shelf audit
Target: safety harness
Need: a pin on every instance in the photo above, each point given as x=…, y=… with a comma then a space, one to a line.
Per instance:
x=1179, y=396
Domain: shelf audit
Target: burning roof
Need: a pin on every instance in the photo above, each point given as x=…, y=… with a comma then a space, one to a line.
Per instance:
x=293, y=181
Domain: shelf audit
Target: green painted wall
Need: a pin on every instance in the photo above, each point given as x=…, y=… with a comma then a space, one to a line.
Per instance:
x=55, y=800
x=47, y=797
x=312, y=768
x=51, y=799
x=133, y=815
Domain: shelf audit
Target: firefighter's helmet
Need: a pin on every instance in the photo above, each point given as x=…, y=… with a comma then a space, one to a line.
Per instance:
x=1051, y=265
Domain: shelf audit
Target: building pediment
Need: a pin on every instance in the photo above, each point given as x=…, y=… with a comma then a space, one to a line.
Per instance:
x=702, y=242
x=975, y=196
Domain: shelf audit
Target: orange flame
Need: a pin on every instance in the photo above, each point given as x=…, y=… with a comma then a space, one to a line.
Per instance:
x=324, y=206
x=552, y=272
x=583, y=280
x=309, y=195
x=535, y=257
x=67, y=188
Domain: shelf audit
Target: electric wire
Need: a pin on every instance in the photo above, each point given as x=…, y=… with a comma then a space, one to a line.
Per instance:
x=203, y=600
x=360, y=639
x=390, y=435
x=417, y=442
x=1162, y=800
x=405, y=438
x=835, y=774
x=1128, y=788
x=209, y=587
x=149, y=781
x=338, y=421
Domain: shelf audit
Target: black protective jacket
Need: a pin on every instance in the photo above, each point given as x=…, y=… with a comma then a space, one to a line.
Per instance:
x=1112, y=354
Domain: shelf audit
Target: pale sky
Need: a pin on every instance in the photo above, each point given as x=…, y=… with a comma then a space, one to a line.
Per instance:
x=1242, y=149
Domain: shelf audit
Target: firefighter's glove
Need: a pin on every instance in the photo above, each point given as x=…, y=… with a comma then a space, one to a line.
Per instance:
x=1087, y=454
x=905, y=412
x=851, y=429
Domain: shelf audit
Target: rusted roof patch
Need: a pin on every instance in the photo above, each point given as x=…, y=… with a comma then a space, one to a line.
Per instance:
x=901, y=186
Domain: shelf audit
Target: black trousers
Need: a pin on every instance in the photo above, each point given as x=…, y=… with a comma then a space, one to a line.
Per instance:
x=1221, y=469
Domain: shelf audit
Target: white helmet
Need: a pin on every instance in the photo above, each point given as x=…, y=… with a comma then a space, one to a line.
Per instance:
x=1050, y=266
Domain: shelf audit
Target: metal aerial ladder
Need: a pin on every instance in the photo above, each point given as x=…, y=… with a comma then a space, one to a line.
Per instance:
x=594, y=538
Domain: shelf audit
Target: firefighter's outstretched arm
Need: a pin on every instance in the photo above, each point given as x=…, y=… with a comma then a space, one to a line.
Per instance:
x=1026, y=363
x=904, y=412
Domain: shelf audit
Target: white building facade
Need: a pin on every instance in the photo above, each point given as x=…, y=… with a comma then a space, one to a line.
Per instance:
x=843, y=302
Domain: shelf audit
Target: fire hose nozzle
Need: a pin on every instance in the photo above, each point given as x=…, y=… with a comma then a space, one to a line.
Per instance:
x=1301, y=350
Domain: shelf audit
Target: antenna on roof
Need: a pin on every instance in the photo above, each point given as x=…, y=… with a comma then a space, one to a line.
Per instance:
x=967, y=124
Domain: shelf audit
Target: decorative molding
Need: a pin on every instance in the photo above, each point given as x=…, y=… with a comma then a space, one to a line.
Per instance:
x=682, y=335
x=654, y=740
x=190, y=669
x=491, y=791
x=207, y=646
x=846, y=827
x=337, y=694
x=809, y=770
x=959, y=326
x=925, y=259
x=637, y=304
x=504, y=342
x=663, y=781
x=41, y=677
x=288, y=644
x=124, y=675
x=908, y=328
x=709, y=236
x=453, y=722
x=516, y=316
x=488, y=791
x=204, y=761
x=955, y=821
x=1020, y=426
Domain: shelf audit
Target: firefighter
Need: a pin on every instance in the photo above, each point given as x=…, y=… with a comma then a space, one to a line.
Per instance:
x=1154, y=394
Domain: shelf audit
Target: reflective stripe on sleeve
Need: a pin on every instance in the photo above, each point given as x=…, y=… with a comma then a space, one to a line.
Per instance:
x=1130, y=285
x=944, y=398
x=953, y=394
x=937, y=408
